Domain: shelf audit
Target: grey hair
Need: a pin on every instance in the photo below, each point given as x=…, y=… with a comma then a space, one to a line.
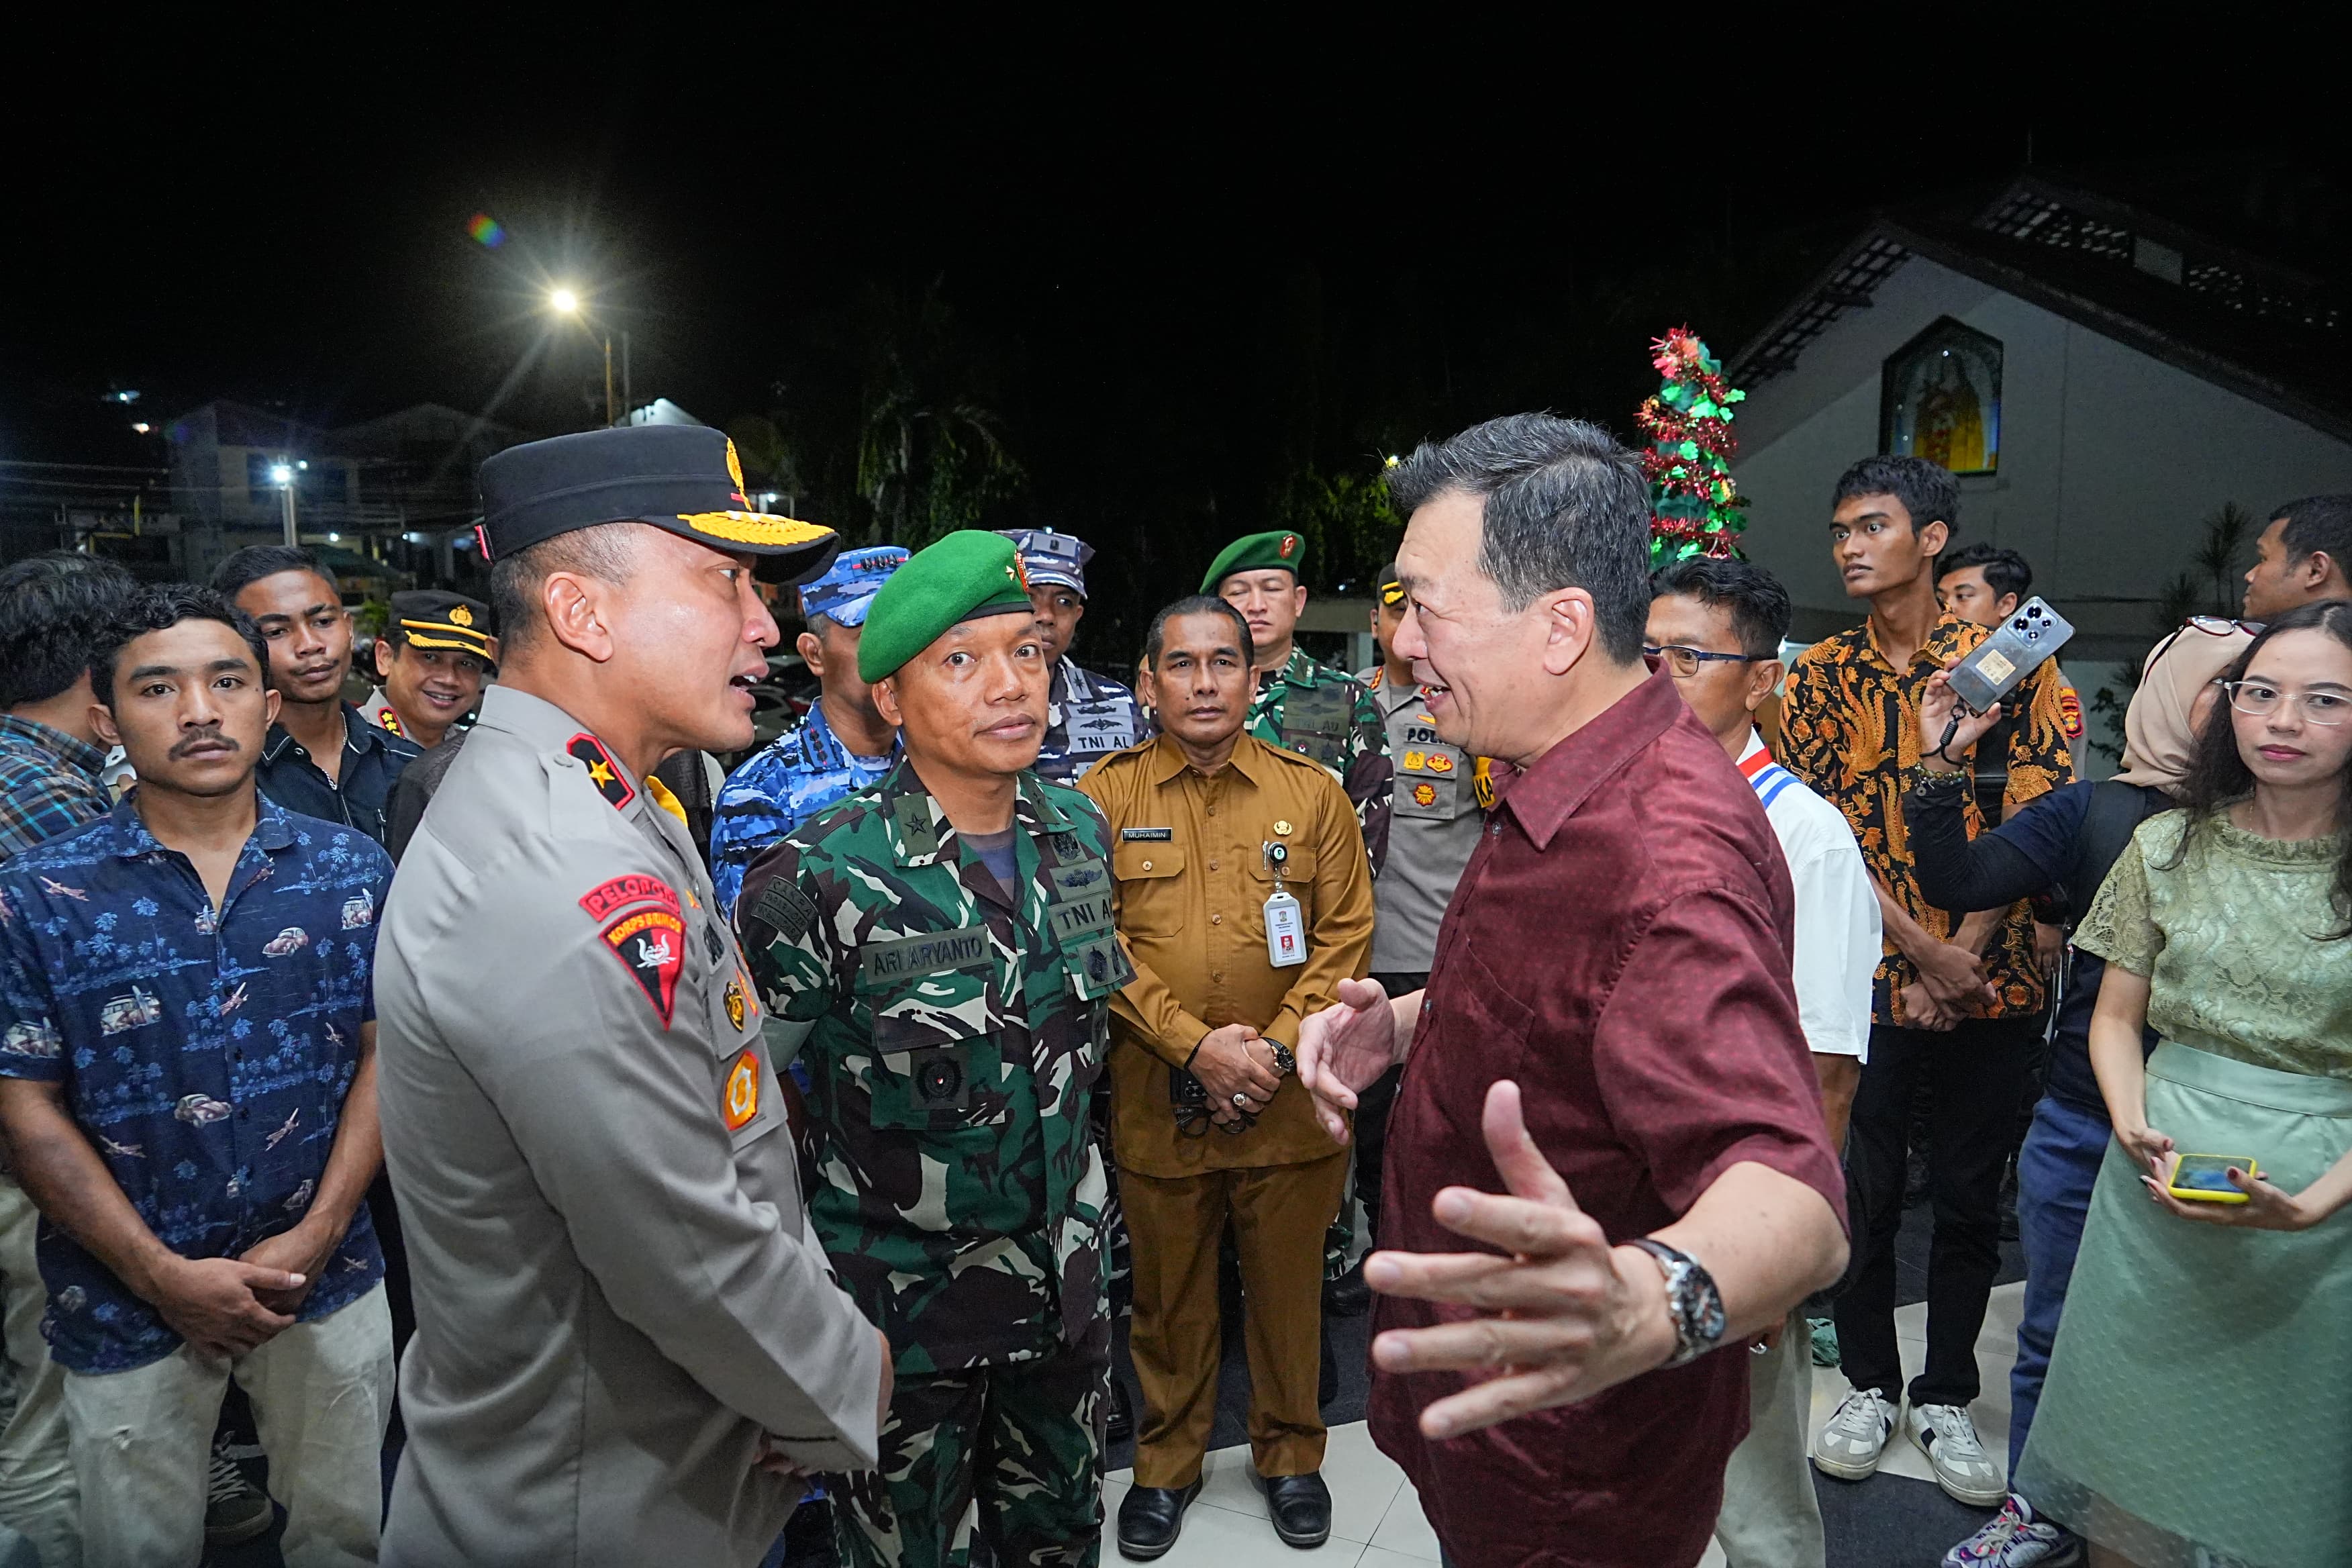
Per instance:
x=605, y=551
x=1196, y=605
x=1561, y=505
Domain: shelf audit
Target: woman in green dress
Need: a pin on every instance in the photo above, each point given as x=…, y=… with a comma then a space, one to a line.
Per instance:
x=2198, y=1409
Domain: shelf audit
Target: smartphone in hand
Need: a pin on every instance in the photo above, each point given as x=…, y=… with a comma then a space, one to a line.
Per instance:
x=2017, y=647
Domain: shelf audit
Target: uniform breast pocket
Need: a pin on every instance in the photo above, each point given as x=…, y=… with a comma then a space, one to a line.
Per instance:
x=935, y=1074
x=1297, y=880
x=1153, y=892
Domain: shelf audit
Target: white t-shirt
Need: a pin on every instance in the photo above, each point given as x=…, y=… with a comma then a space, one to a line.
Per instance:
x=1838, y=933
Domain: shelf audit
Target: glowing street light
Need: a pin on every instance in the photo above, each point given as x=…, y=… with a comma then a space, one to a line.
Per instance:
x=281, y=474
x=565, y=302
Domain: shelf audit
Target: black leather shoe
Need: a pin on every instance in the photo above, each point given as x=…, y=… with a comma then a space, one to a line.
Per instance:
x=1150, y=1517
x=1120, y=1424
x=1300, y=1505
x=1348, y=1296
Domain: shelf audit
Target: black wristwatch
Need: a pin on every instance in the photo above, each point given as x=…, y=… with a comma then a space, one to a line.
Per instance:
x=1282, y=1057
x=1692, y=1302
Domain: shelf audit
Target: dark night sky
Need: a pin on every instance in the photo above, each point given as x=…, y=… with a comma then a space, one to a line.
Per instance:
x=1184, y=260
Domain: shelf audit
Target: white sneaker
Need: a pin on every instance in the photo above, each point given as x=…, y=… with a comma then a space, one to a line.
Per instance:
x=1854, y=1437
x=1946, y=1434
x=2015, y=1538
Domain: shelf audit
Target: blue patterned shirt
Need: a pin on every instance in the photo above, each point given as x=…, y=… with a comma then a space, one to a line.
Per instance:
x=206, y=1055
x=790, y=780
x=50, y=783
x=1088, y=716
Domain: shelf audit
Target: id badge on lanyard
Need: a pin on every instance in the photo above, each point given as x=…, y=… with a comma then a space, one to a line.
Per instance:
x=1285, y=933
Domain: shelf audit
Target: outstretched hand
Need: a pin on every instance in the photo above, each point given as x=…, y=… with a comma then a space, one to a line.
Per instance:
x=1560, y=1317
x=1344, y=1048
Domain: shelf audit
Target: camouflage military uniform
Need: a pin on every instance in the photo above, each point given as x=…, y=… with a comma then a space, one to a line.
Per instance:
x=790, y=780
x=1088, y=716
x=1326, y=714
x=954, y=1042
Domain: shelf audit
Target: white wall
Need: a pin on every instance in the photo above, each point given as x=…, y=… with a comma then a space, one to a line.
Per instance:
x=2110, y=459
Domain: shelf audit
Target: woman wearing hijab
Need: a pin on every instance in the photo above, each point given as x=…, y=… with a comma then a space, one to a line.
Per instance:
x=2194, y=1412
x=2056, y=851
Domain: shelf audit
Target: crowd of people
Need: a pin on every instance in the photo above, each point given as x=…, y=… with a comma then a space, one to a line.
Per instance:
x=641, y=1149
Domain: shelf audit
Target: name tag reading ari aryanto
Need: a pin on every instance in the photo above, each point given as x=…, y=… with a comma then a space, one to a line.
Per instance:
x=931, y=953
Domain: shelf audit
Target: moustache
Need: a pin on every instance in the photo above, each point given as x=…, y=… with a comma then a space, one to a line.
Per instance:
x=207, y=737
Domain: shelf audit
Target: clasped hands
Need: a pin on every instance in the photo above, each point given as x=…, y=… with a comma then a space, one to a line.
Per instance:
x=1227, y=1065
x=1555, y=1315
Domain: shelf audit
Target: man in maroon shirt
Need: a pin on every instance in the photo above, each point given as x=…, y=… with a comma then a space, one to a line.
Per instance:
x=1609, y=1032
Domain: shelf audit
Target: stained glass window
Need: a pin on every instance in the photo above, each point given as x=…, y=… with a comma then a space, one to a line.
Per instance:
x=1939, y=399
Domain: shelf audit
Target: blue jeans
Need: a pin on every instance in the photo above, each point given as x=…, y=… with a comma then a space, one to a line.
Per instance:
x=2056, y=1172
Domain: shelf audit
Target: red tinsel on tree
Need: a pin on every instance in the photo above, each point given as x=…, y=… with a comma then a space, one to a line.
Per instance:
x=1695, y=509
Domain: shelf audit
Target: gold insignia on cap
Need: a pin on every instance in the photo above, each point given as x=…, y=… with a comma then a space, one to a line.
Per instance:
x=734, y=464
x=1281, y=827
x=461, y=617
x=752, y=526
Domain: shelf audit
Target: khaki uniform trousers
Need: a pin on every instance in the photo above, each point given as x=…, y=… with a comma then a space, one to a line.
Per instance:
x=1770, y=1517
x=38, y=1494
x=1279, y=1214
x=321, y=1395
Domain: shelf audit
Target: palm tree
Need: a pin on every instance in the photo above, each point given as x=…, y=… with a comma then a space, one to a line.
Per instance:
x=931, y=454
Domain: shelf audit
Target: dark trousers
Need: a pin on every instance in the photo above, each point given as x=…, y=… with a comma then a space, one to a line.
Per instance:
x=1973, y=1075
x=2055, y=1173
x=1371, y=1129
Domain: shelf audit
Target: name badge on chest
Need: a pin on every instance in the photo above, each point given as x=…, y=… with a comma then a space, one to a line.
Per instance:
x=1285, y=931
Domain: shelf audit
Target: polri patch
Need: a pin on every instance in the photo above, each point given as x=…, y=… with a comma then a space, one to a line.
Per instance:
x=931, y=953
x=603, y=770
x=651, y=944
x=1147, y=835
x=606, y=898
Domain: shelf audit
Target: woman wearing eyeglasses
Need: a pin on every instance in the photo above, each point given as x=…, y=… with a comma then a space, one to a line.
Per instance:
x=2195, y=1410
x=2057, y=850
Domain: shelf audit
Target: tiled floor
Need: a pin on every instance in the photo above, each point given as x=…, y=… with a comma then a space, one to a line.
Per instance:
x=1376, y=1517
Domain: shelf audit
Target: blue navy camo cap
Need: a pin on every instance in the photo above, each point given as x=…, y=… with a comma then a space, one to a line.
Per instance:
x=846, y=590
x=1051, y=557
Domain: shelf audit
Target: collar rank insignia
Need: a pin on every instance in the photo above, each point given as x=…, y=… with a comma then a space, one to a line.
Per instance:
x=391, y=721
x=651, y=945
x=603, y=770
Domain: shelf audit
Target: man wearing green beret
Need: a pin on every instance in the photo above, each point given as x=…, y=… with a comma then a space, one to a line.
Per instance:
x=1303, y=706
x=939, y=948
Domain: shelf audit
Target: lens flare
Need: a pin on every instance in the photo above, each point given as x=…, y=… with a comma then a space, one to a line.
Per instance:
x=486, y=231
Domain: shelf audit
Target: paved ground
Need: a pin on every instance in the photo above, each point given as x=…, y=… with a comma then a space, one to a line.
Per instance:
x=1896, y=1519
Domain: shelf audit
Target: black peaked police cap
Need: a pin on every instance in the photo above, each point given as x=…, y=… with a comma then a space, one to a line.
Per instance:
x=682, y=478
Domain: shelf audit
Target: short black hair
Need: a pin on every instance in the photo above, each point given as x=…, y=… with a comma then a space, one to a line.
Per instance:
x=1759, y=604
x=251, y=565
x=605, y=551
x=57, y=609
x=1928, y=491
x=1561, y=505
x=2005, y=571
x=2317, y=524
x=161, y=608
x=1196, y=605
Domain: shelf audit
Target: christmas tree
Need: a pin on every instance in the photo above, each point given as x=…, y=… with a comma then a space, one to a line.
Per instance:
x=1693, y=509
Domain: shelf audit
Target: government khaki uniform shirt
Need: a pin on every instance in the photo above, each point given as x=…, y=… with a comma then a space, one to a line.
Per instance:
x=614, y=1296
x=1192, y=880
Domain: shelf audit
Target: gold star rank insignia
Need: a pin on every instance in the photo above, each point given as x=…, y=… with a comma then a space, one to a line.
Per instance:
x=602, y=772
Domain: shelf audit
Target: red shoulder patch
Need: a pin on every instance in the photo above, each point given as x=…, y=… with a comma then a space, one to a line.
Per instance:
x=387, y=719
x=603, y=770
x=651, y=945
x=621, y=891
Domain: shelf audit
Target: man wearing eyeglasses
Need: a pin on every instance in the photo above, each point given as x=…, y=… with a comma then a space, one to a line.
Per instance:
x=1243, y=898
x=1716, y=625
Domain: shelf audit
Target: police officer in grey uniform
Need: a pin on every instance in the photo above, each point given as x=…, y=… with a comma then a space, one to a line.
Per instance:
x=628, y=1349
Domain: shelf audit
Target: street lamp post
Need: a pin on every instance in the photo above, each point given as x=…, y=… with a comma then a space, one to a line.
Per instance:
x=566, y=302
x=281, y=474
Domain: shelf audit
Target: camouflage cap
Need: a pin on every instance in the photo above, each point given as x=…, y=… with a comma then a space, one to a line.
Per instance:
x=964, y=576
x=1280, y=551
